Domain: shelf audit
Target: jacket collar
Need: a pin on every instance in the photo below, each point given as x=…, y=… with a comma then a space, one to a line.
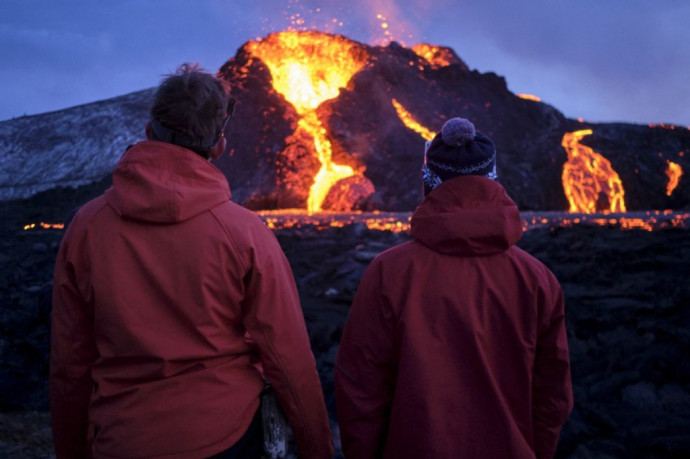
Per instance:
x=469, y=216
x=163, y=183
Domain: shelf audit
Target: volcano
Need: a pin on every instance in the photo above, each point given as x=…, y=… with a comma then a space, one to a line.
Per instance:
x=325, y=123
x=384, y=102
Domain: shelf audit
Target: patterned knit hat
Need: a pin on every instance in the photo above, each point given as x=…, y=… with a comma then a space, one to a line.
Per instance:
x=458, y=150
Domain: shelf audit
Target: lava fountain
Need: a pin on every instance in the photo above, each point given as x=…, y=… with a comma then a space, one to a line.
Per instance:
x=673, y=172
x=307, y=69
x=589, y=182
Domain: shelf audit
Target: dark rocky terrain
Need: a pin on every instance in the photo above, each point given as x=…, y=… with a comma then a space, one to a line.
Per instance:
x=628, y=321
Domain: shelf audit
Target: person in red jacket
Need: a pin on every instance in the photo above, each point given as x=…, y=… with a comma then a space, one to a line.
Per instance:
x=455, y=345
x=167, y=300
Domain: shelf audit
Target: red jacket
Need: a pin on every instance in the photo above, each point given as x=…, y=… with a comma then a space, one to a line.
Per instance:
x=157, y=285
x=455, y=345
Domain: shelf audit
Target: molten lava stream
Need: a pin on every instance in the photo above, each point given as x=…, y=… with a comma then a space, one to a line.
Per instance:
x=673, y=172
x=529, y=97
x=589, y=182
x=399, y=222
x=309, y=68
x=330, y=172
x=409, y=121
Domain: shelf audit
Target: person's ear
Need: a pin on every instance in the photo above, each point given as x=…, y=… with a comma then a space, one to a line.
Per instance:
x=149, y=132
x=218, y=149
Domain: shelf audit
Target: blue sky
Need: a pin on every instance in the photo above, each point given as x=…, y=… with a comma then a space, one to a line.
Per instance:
x=602, y=60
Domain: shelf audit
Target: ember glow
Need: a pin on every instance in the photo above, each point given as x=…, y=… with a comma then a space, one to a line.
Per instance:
x=590, y=183
x=43, y=225
x=410, y=122
x=643, y=220
x=434, y=55
x=309, y=68
x=529, y=97
x=384, y=26
x=399, y=222
x=671, y=127
x=673, y=172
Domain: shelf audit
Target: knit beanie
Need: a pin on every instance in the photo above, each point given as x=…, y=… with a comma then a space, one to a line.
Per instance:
x=458, y=150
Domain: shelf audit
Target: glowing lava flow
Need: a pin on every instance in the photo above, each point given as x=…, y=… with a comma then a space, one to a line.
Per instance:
x=399, y=222
x=309, y=68
x=529, y=97
x=673, y=172
x=589, y=181
x=410, y=122
x=44, y=225
x=434, y=55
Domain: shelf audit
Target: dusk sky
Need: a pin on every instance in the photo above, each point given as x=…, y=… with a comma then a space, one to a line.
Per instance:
x=601, y=60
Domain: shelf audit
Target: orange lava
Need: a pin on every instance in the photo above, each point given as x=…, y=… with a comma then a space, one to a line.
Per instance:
x=44, y=225
x=673, y=172
x=529, y=97
x=410, y=122
x=399, y=222
x=434, y=55
x=589, y=182
x=309, y=68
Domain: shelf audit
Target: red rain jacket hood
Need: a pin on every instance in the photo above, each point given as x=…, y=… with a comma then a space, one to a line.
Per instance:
x=455, y=345
x=166, y=296
x=167, y=184
x=470, y=218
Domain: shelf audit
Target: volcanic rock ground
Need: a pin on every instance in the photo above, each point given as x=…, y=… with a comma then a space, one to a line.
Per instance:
x=627, y=315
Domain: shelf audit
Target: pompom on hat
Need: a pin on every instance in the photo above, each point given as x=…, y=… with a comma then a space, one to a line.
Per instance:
x=455, y=151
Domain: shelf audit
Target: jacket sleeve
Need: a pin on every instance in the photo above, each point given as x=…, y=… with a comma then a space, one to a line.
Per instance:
x=552, y=388
x=365, y=370
x=273, y=316
x=73, y=352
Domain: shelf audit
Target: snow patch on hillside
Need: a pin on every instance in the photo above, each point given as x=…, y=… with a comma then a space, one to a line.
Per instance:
x=69, y=148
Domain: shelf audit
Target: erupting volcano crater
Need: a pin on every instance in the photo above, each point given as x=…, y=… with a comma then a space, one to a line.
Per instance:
x=324, y=123
x=327, y=123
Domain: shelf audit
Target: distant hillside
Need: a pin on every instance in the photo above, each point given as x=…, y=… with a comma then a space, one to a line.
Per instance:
x=69, y=148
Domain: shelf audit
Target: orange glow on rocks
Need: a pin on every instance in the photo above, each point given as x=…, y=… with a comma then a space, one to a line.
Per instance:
x=529, y=97
x=43, y=225
x=309, y=68
x=399, y=222
x=673, y=172
x=590, y=183
x=411, y=123
x=434, y=55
